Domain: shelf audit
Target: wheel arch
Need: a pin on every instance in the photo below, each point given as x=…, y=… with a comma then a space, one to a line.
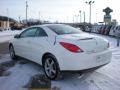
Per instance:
x=48, y=53
x=10, y=44
x=45, y=54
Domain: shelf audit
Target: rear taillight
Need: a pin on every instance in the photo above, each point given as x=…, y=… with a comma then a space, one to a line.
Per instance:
x=71, y=47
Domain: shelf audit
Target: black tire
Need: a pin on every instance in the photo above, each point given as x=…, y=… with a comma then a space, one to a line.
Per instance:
x=50, y=68
x=12, y=52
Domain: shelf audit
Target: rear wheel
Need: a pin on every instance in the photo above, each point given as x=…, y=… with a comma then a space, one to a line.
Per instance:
x=51, y=67
x=12, y=52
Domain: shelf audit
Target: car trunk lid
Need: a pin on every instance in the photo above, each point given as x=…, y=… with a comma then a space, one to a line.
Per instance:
x=88, y=43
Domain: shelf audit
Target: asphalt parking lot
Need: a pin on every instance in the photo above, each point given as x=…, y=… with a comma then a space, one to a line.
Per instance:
x=4, y=48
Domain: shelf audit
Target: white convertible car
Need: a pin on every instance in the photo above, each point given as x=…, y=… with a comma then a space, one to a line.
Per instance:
x=59, y=47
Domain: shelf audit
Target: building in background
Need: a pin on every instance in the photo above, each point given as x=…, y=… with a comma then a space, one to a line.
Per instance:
x=7, y=23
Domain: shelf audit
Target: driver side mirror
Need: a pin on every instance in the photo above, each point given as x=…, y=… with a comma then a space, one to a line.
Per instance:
x=17, y=36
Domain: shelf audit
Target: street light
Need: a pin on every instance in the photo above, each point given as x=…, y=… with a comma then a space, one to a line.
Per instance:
x=90, y=3
x=84, y=20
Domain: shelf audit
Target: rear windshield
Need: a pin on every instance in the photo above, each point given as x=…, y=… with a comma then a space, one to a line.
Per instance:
x=64, y=29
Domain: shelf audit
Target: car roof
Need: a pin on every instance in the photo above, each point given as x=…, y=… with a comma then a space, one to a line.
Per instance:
x=46, y=25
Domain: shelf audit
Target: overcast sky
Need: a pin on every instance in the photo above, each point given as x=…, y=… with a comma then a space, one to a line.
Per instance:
x=61, y=10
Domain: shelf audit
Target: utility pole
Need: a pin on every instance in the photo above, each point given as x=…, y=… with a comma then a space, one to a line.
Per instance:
x=19, y=19
x=84, y=16
x=90, y=4
x=39, y=17
x=76, y=17
x=84, y=21
x=96, y=16
x=26, y=11
x=8, y=23
x=39, y=14
x=80, y=15
x=73, y=19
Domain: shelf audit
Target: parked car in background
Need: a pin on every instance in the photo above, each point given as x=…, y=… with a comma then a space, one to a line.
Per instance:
x=117, y=31
x=87, y=29
x=101, y=29
x=59, y=47
x=95, y=28
x=112, y=31
x=16, y=28
x=107, y=30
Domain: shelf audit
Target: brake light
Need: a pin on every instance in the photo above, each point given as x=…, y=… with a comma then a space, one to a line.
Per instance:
x=71, y=47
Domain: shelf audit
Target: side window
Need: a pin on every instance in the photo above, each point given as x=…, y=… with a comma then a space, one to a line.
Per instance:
x=29, y=32
x=40, y=32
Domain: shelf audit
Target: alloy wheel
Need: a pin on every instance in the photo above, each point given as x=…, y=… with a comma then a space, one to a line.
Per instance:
x=12, y=53
x=50, y=68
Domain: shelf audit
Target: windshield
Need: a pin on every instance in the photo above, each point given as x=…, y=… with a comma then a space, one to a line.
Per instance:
x=64, y=29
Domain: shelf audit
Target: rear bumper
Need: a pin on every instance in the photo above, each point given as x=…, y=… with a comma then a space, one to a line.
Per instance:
x=85, y=70
x=82, y=61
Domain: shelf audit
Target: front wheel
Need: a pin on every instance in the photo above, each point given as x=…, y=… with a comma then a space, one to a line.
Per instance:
x=51, y=67
x=12, y=52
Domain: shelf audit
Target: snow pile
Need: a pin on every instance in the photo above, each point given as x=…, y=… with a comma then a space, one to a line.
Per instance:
x=19, y=76
x=9, y=33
